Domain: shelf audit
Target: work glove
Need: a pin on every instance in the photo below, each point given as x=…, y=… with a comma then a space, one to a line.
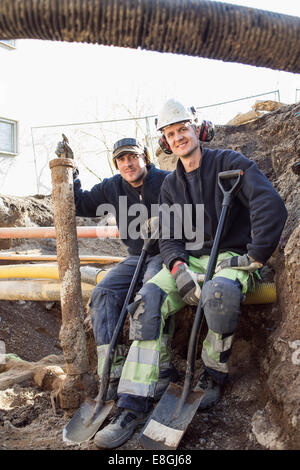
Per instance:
x=245, y=263
x=186, y=282
x=64, y=150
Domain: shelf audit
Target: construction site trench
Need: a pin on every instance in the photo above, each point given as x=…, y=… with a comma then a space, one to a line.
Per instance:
x=260, y=408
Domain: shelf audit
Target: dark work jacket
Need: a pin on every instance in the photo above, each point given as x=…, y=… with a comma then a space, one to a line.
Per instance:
x=255, y=220
x=108, y=192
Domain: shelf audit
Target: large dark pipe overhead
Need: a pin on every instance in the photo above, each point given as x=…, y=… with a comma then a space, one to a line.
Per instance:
x=193, y=27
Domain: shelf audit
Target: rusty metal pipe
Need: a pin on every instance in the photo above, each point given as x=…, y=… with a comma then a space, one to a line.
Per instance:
x=200, y=28
x=72, y=335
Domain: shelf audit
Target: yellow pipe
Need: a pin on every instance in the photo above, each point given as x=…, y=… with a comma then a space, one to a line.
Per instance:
x=21, y=290
x=31, y=271
x=44, y=271
x=85, y=259
x=37, y=290
x=265, y=293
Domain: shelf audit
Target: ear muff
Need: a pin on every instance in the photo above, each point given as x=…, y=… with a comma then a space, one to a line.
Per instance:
x=147, y=155
x=115, y=163
x=207, y=133
x=163, y=143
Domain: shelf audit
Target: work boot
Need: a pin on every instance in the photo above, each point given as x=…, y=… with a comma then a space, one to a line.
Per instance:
x=165, y=377
x=212, y=390
x=121, y=428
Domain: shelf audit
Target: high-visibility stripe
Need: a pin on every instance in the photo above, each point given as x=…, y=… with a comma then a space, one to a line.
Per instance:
x=117, y=363
x=213, y=347
x=145, y=373
x=136, y=388
x=143, y=356
x=152, y=344
x=212, y=361
x=138, y=379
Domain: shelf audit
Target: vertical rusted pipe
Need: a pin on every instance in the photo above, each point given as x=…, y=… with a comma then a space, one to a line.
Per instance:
x=72, y=335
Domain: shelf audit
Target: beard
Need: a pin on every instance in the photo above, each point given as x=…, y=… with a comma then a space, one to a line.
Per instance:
x=140, y=177
x=190, y=152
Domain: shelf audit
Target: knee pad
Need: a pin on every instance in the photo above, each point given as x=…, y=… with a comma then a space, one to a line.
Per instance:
x=221, y=300
x=145, y=313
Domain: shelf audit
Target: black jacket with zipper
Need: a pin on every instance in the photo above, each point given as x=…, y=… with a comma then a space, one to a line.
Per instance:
x=255, y=220
x=110, y=190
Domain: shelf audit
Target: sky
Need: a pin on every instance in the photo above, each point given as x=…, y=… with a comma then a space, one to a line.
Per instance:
x=73, y=83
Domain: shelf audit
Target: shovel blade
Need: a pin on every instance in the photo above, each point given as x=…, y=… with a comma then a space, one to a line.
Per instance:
x=80, y=429
x=165, y=429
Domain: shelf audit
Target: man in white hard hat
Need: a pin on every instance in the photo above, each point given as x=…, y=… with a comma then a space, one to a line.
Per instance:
x=251, y=234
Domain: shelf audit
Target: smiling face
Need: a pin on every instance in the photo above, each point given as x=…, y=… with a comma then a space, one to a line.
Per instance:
x=132, y=168
x=183, y=139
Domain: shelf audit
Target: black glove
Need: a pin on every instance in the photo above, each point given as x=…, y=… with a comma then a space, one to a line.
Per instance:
x=245, y=263
x=187, y=283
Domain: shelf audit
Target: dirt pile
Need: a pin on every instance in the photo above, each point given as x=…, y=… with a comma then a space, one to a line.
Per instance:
x=260, y=406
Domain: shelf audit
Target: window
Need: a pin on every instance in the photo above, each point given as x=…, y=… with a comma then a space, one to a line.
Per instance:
x=8, y=136
x=11, y=43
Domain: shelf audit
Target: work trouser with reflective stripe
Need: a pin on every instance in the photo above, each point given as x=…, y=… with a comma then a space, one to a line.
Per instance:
x=221, y=307
x=106, y=303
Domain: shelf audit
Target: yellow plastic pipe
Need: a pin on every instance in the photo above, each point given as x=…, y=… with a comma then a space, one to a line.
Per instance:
x=37, y=290
x=265, y=293
x=101, y=231
x=31, y=271
x=46, y=290
x=84, y=259
x=43, y=271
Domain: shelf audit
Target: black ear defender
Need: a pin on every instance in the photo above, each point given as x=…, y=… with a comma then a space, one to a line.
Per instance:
x=207, y=133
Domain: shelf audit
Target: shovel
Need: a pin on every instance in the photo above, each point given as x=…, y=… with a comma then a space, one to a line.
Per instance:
x=177, y=407
x=92, y=413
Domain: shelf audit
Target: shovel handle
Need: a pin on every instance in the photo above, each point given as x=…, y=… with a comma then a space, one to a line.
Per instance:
x=152, y=226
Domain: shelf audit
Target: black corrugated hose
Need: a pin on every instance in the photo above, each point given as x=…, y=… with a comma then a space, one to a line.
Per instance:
x=200, y=28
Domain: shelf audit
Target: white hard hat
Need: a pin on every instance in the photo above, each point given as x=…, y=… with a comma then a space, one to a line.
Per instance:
x=172, y=112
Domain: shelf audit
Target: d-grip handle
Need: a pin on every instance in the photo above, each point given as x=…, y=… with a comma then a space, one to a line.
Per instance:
x=227, y=175
x=230, y=174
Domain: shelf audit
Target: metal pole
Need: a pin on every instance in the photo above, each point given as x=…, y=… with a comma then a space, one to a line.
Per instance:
x=72, y=336
x=150, y=139
x=35, y=163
